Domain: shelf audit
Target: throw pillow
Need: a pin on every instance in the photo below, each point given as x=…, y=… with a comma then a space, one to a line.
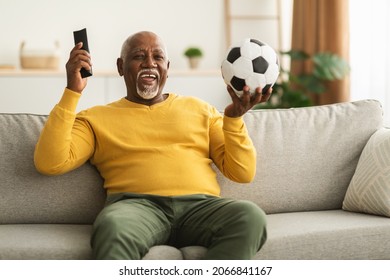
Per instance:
x=369, y=189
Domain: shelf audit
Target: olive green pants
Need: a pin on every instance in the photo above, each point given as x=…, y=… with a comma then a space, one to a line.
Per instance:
x=130, y=224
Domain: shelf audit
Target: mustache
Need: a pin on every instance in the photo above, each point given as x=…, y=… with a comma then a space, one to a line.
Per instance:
x=149, y=71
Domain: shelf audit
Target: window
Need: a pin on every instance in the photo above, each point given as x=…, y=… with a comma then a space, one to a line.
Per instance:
x=369, y=52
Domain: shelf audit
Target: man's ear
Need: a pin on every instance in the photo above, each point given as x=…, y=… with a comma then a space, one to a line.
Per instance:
x=119, y=66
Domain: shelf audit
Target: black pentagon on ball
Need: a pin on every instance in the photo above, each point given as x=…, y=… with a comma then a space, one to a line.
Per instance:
x=257, y=42
x=233, y=55
x=237, y=83
x=260, y=65
x=265, y=89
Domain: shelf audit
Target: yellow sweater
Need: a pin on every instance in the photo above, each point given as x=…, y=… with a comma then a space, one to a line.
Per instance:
x=164, y=149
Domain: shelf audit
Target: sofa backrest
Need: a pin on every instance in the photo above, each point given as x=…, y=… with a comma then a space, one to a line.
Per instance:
x=29, y=197
x=306, y=156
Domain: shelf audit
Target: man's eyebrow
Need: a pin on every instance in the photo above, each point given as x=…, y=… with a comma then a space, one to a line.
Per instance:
x=136, y=50
x=157, y=50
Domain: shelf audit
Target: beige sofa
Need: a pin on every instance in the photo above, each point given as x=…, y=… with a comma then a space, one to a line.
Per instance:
x=308, y=159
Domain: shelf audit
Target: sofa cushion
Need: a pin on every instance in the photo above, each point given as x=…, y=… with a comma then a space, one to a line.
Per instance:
x=193, y=252
x=29, y=197
x=63, y=242
x=332, y=234
x=306, y=156
x=45, y=242
x=326, y=235
x=163, y=252
x=369, y=190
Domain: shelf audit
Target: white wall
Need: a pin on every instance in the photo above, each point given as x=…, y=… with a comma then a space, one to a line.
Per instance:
x=179, y=22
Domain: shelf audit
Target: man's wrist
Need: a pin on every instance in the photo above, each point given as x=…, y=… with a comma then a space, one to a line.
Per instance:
x=233, y=124
x=69, y=100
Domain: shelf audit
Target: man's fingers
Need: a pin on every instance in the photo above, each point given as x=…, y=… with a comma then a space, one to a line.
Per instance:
x=78, y=46
x=79, y=60
x=232, y=94
x=266, y=96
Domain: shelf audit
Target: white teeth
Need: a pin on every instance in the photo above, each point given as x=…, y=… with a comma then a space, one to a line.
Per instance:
x=149, y=76
x=148, y=73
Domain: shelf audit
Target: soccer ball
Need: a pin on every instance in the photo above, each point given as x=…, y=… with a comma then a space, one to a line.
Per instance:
x=252, y=63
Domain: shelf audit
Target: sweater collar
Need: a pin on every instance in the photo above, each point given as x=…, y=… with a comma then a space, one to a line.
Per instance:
x=130, y=104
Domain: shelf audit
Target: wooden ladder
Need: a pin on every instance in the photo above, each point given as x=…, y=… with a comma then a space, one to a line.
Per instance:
x=231, y=19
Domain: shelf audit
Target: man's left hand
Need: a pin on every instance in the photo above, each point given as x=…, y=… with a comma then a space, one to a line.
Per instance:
x=243, y=104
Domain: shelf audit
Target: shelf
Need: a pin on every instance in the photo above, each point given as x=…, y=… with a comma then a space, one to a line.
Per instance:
x=102, y=73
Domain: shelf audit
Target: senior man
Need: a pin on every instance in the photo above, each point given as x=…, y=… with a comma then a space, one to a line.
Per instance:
x=154, y=151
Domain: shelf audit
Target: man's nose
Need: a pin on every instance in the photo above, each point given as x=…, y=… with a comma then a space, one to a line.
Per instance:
x=149, y=61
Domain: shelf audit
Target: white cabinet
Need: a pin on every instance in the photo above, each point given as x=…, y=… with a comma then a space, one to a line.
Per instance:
x=29, y=94
x=38, y=92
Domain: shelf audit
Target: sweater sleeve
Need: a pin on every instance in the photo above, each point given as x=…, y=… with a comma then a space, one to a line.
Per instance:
x=232, y=149
x=65, y=142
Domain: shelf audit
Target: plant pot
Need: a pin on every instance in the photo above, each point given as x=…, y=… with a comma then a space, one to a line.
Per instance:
x=194, y=62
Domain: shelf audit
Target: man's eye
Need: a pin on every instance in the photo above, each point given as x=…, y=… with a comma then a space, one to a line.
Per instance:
x=139, y=56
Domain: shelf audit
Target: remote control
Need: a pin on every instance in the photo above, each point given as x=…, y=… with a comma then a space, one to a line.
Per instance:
x=81, y=36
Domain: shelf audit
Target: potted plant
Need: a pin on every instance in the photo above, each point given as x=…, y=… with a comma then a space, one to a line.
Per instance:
x=294, y=90
x=193, y=54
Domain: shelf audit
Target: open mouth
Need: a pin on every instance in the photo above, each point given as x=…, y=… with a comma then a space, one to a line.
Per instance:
x=147, y=77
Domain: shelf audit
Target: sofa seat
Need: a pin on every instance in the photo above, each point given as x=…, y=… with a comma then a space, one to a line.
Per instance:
x=45, y=241
x=314, y=235
x=326, y=235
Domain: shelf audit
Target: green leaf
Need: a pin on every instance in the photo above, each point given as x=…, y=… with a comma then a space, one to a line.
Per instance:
x=293, y=90
x=328, y=66
x=296, y=55
x=294, y=99
x=311, y=83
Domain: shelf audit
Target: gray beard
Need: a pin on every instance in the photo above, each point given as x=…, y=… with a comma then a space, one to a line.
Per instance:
x=147, y=92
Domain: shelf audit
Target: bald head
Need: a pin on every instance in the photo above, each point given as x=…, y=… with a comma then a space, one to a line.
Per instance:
x=132, y=40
